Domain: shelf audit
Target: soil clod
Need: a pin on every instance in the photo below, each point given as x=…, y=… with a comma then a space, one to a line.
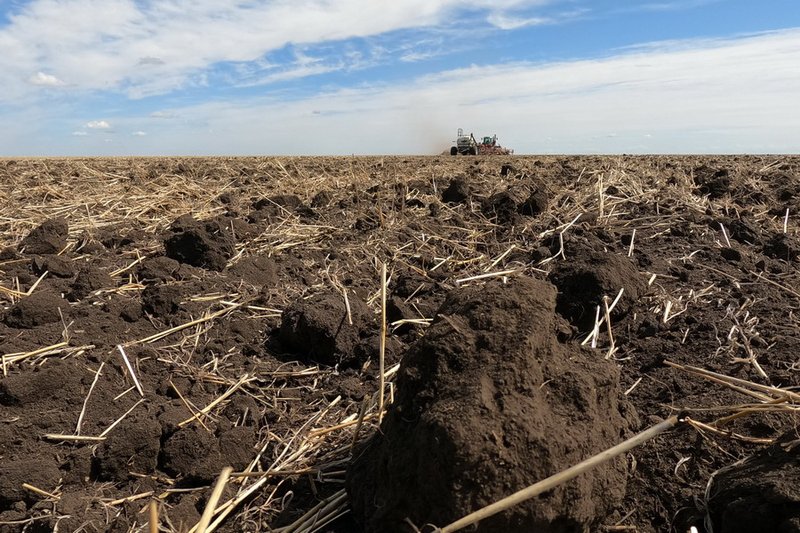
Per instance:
x=42, y=307
x=54, y=265
x=583, y=281
x=88, y=280
x=319, y=330
x=485, y=402
x=457, y=192
x=762, y=493
x=201, y=244
x=50, y=237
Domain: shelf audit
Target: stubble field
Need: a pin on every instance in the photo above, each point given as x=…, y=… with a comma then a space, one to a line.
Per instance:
x=163, y=319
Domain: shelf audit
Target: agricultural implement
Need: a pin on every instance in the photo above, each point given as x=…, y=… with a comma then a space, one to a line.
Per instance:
x=468, y=145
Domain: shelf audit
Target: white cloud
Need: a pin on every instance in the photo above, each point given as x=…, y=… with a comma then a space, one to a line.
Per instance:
x=163, y=114
x=735, y=95
x=139, y=133
x=509, y=22
x=145, y=47
x=45, y=80
x=696, y=96
x=79, y=133
x=98, y=125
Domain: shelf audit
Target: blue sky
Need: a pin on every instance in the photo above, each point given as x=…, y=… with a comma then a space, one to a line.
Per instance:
x=148, y=77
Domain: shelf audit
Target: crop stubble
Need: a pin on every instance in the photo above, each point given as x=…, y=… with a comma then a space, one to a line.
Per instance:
x=144, y=350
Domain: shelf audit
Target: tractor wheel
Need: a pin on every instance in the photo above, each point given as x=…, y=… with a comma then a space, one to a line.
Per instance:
x=453, y=151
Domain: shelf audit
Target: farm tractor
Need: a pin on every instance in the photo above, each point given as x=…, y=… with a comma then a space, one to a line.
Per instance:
x=467, y=145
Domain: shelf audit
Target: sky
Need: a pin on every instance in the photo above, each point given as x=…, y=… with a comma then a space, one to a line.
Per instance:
x=340, y=77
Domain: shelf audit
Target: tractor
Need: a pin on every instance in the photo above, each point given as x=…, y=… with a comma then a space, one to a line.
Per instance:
x=467, y=145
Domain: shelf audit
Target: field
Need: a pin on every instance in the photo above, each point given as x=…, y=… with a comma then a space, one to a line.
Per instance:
x=163, y=319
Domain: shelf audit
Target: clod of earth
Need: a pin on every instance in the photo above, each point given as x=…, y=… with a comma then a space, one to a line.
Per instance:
x=761, y=493
x=278, y=206
x=88, y=280
x=583, y=281
x=197, y=455
x=489, y=402
x=133, y=446
x=55, y=265
x=506, y=206
x=162, y=300
x=201, y=244
x=712, y=182
x=37, y=471
x=57, y=382
x=457, y=192
x=318, y=330
x=42, y=307
x=782, y=246
x=256, y=270
x=157, y=269
x=48, y=238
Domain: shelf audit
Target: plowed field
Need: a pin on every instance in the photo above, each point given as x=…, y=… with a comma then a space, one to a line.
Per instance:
x=162, y=319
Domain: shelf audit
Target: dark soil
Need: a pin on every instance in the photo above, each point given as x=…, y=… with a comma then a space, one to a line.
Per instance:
x=494, y=391
x=36, y=310
x=320, y=330
x=583, y=281
x=487, y=388
x=761, y=493
x=201, y=244
x=50, y=237
x=457, y=192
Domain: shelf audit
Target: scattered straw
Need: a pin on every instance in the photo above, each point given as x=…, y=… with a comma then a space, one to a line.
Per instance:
x=487, y=275
x=208, y=408
x=211, y=504
x=86, y=400
x=382, y=354
x=40, y=492
x=130, y=370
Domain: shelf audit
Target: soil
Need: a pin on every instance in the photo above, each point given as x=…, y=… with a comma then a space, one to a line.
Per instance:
x=50, y=237
x=488, y=387
x=759, y=493
x=249, y=288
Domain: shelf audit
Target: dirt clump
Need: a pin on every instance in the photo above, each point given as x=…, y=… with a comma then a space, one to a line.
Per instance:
x=162, y=300
x=58, y=381
x=278, y=206
x=257, y=270
x=192, y=453
x=184, y=515
x=88, y=280
x=457, y=192
x=489, y=402
x=132, y=446
x=39, y=471
x=41, y=307
x=782, y=246
x=711, y=181
x=584, y=280
x=54, y=265
x=197, y=455
x=50, y=237
x=319, y=329
x=202, y=244
x=155, y=269
x=761, y=493
x=506, y=206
